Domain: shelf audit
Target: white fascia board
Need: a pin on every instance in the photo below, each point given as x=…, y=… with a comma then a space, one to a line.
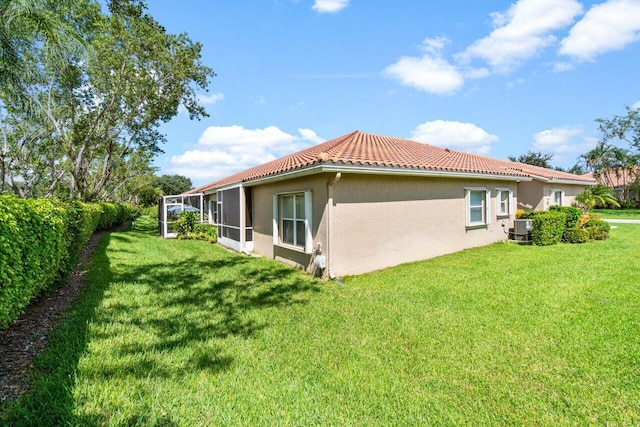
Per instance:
x=562, y=181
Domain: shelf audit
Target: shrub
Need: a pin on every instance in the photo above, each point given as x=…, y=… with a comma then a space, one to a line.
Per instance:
x=576, y=235
x=206, y=232
x=547, y=228
x=596, y=233
x=598, y=229
x=186, y=222
x=40, y=240
x=598, y=223
x=571, y=213
x=519, y=213
x=527, y=214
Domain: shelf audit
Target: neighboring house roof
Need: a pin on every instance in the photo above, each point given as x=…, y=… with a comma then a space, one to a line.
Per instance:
x=364, y=150
x=616, y=179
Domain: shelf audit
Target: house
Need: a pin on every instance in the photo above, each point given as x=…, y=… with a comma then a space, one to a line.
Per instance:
x=363, y=202
x=623, y=181
x=549, y=187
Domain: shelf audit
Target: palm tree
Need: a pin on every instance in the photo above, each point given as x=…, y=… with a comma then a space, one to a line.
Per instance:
x=24, y=24
x=597, y=195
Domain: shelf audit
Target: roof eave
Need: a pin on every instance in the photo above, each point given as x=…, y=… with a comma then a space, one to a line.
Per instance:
x=379, y=170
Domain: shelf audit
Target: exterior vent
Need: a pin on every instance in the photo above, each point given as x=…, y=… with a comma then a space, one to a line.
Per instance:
x=522, y=230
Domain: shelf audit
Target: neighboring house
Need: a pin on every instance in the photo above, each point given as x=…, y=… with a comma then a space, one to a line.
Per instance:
x=621, y=181
x=363, y=202
x=549, y=187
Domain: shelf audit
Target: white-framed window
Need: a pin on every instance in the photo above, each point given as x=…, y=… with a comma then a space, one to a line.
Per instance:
x=292, y=219
x=556, y=197
x=477, y=206
x=504, y=202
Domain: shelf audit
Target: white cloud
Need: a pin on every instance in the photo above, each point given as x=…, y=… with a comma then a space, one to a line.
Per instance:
x=636, y=106
x=522, y=32
x=224, y=150
x=329, y=6
x=566, y=143
x=311, y=136
x=210, y=99
x=453, y=134
x=609, y=26
x=430, y=72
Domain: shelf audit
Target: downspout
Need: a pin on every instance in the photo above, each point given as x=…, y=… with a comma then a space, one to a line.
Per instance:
x=329, y=208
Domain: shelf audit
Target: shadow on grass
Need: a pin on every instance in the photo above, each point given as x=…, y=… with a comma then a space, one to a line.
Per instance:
x=50, y=402
x=178, y=304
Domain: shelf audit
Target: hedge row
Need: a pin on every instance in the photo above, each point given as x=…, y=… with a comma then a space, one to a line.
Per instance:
x=40, y=240
x=566, y=224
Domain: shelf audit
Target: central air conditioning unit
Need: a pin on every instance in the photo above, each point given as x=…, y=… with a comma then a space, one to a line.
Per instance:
x=522, y=230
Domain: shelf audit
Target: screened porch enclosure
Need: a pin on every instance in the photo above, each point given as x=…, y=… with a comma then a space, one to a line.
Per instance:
x=234, y=218
x=170, y=208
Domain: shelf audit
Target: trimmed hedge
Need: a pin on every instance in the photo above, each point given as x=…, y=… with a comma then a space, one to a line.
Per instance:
x=576, y=235
x=40, y=240
x=598, y=229
x=572, y=214
x=547, y=228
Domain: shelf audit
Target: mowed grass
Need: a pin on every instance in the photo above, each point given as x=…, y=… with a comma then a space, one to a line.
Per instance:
x=618, y=213
x=185, y=333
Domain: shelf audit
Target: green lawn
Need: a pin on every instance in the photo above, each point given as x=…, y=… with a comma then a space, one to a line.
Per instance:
x=618, y=213
x=185, y=333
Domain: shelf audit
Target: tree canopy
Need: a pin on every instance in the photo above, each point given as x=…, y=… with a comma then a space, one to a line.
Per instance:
x=96, y=120
x=535, y=158
x=173, y=184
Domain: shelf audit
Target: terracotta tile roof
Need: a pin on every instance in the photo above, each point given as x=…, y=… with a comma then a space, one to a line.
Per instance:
x=616, y=179
x=365, y=149
x=551, y=174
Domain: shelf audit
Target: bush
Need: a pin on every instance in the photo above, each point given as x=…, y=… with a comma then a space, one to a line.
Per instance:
x=526, y=214
x=186, y=222
x=40, y=240
x=206, y=232
x=598, y=229
x=596, y=233
x=547, y=228
x=575, y=235
x=572, y=214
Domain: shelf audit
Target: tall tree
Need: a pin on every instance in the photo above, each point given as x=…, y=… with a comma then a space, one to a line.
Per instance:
x=174, y=184
x=102, y=115
x=535, y=158
x=23, y=24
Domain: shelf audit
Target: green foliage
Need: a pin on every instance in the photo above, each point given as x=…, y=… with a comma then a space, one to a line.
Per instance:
x=576, y=235
x=547, y=228
x=173, y=184
x=206, y=232
x=186, y=222
x=93, y=126
x=40, y=240
x=597, y=195
x=535, y=158
x=571, y=213
x=597, y=233
x=149, y=195
x=598, y=229
x=151, y=211
x=527, y=214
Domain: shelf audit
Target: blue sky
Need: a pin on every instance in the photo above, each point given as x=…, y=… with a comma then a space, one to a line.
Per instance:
x=492, y=77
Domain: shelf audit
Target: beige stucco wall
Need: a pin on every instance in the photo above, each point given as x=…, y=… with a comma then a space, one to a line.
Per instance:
x=535, y=195
x=381, y=221
x=263, y=219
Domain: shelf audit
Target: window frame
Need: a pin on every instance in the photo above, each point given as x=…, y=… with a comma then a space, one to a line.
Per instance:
x=552, y=197
x=486, y=207
x=297, y=219
x=500, y=213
